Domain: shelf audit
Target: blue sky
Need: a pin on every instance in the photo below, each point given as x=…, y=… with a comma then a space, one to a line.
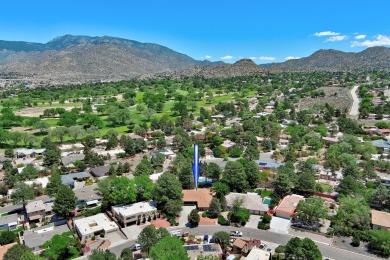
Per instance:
x=267, y=31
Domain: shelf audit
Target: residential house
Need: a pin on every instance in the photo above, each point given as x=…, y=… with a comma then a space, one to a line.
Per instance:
x=77, y=147
x=88, y=197
x=288, y=205
x=71, y=158
x=37, y=210
x=240, y=246
x=29, y=153
x=385, y=179
x=201, y=198
x=380, y=220
x=35, y=238
x=100, y=171
x=252, y=202
x=382, y=145
x=258, y=254
x=42, y=181
x=269, y=165
x=227, y=144
x=9, y=222
x=128, y=214
x=166, y=152
x=135, y=136
x=194, y=251
x=330, y=140
x=86, y=228
x=72, y=178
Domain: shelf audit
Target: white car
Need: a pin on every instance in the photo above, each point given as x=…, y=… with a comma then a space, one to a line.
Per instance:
x=236, y=233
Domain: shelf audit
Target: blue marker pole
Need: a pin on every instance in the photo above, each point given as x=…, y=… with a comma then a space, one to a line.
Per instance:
x=196, y=165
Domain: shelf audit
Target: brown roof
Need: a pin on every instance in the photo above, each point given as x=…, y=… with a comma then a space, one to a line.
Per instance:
x=239, y=243
x=380, y=218
x=201, y=196
x=289, y=204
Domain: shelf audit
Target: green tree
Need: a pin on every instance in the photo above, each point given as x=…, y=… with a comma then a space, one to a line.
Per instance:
x=52, y=157
x=214, y=208
x=352, y=215
x=22, y=193
x=193, y=217
x=127, y=254
x=311, y=210
x=144, y=167
x=168, y=248
x=251, y=153
x=282, y=184
x=59, y=133
x=7, y=237
x=76, y=131
x=349, y=186
x=168, y=194
x=306, y=182
x=381, y=196
x=234, y=176
x=117, y=190
x=379, y=242
x=304, y=249
x=62, y=246
x=144, y=186
x=65, y=201
x=212, y=170
x=98, y=254
x=223, y=239
x=150, y=236
x=54, y=184
x=20, y=252
x=9, y=153
x=42, y=126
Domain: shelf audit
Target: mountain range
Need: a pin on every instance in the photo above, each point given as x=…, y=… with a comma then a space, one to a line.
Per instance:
x=72, y=58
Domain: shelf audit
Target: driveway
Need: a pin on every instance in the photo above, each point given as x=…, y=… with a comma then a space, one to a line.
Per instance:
x=280, y=225
x=132, y=232
x=355, y=105
x=253, y=221
x=183, y=219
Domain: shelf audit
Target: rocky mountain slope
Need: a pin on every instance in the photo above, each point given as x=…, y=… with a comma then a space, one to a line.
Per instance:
x=244, y=67
x=333, y=60
x=81, y=58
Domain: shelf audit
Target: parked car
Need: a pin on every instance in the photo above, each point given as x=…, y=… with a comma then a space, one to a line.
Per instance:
x=263, y=246
x=206, y=238
x=236, y=233
x=136, y=247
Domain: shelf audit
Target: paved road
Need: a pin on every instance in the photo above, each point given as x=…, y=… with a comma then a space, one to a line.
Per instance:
x=355, y=105
x=326, y=250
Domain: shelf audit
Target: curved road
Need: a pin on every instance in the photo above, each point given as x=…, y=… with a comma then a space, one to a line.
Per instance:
x=354, y=112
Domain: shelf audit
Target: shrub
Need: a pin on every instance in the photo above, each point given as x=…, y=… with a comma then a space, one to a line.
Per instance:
x=93, y=238
x=280, y=249
x=222, y=221
x=263, y=226
x=356, y=240
x=204, y=214
x=267, y=219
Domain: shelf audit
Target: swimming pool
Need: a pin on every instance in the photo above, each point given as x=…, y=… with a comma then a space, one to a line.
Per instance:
x=267, y=200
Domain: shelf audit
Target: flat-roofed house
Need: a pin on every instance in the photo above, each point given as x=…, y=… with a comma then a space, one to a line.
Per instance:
x=380, y=219
x=288, y=205
x=201, y=198
x=91, y=226
x=252, y=202
x=128, y=214
x=258, y=254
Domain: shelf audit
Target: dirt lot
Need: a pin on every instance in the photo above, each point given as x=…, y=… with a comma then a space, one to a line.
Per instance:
x=342, y=100
x=35, y=111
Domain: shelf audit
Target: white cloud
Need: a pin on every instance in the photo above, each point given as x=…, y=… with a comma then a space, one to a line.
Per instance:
x=227, y=57
x=360, y=37
x=327, y=33
x=291, y=58
x=337, y=38
x=267, y=58
x=208, y=57
x=380, y=40
x=252, y=58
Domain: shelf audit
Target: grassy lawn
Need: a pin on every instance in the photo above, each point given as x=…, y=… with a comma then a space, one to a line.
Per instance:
x=265, y=193
x=327, y=188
